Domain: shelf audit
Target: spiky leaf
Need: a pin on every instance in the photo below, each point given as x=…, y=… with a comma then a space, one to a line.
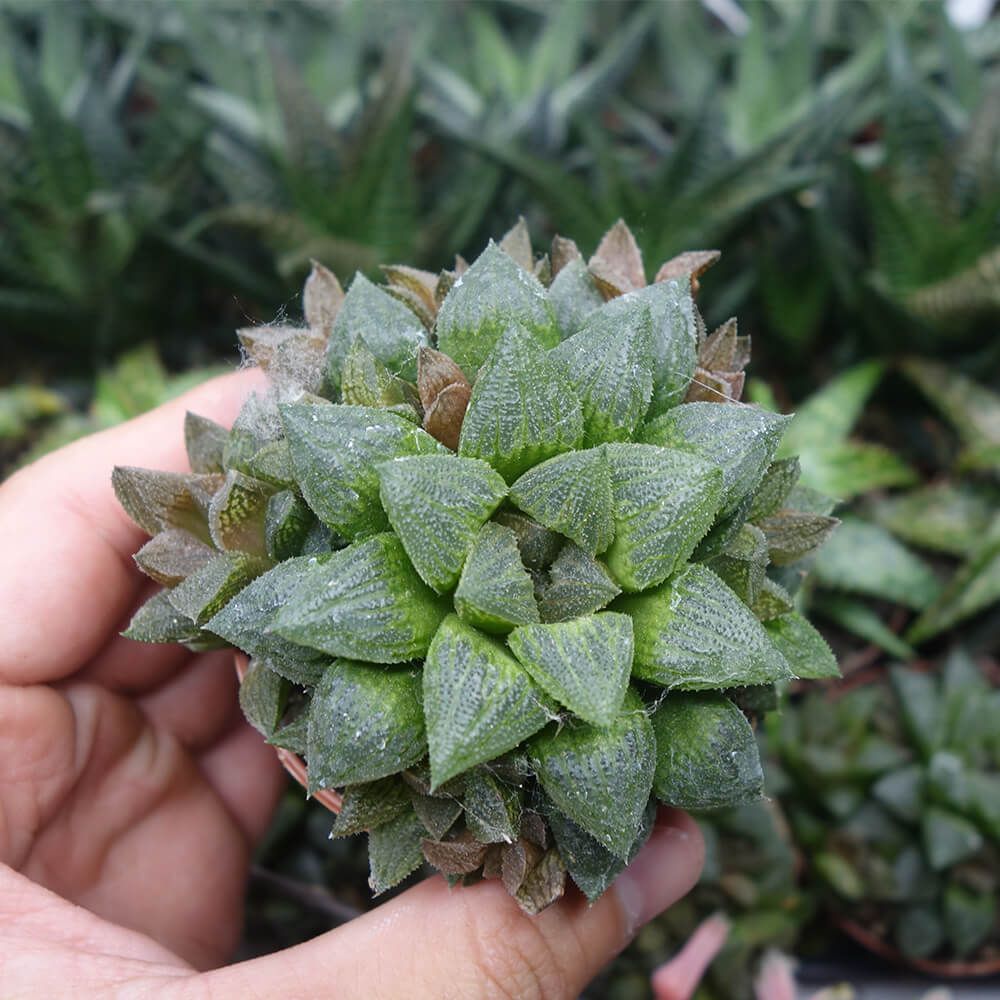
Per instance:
x=802, y=646
x=577, y=585
x=394, y=850
x=206, y=591
x=205, y=443
x=370, y=805
x=172, y=555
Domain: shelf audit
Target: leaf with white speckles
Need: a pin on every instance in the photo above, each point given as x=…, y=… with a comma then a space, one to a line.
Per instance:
x=395, y=851
x=578, y=584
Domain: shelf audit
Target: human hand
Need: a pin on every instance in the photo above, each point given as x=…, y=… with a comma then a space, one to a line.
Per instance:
x=131, y=786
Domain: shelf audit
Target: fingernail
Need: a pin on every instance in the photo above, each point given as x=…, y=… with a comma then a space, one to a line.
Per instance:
x=663, y=871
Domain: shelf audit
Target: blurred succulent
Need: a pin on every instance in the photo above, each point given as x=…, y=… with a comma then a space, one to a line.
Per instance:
x=501, y=592
x=894, y=796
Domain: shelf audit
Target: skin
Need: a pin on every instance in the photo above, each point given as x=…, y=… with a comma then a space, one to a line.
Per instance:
x=132, y=792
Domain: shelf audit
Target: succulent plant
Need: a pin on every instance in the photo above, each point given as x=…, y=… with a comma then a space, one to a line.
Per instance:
x=894, y=793
x=498, y=582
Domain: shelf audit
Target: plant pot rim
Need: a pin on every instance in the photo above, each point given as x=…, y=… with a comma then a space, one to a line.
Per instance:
x=931, y=967
x=290, y=761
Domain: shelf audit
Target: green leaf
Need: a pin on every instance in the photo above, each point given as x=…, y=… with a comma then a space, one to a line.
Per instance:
x=857, y=618
x=969, y=917
x=394, y=851
x=919, y=932
x=205, y=442
x=487, y=299
x=975, y=587
x=590, y=864
x=706, y=754
x=944, y=517
x=947, y=838
x=902, y=792
x=159, y=621
x=263, y=695
x=792, y=534
x=848, y=468
x=370, y=805
x=600, y=777
x=863, y=558
x=365, y=723
x=365, y=381
x=842, y=876
x=389, y=330
x=972, y=409
x=438, y=814
x=538, y=546
x=675, y=337
x=740, y=439
x=921, y=706
x=478, y=700
x=827, y=417
x=522, y=409
x=492, y=807
x=664, y=501
x=742, y=564
x=772, y=600
x=610, y=365
x=287, y=522
x=246, y=619
x=571, y=494
x=805, y=650
x=694, y=633
x=495, y=591
x=334, y=452
x=778, y=481
x=172, y=555
x=206, y=591
x=364, y=602
x=577, y=585
x=584, y=664
x=437, y=505
x=573, y=296
x=237, y=512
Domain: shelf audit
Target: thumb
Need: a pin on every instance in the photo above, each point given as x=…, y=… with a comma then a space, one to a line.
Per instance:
x=475, y=942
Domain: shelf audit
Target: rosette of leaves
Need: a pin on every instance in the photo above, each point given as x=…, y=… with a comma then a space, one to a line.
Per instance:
x=500, y=586
x=894, y=795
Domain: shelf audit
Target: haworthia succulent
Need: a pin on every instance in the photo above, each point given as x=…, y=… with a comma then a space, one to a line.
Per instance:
x=369, y=805
x=806, y=651
x=578, y=584
x=172, y=555
x=522, y=409
x=776, y=484
x=205, y=443
x=492, y=807
x=365, y=723
x=287, y=522
x=364, y=602
x=694, y=633
x=237, y=512
x=610, y=365
x=574, y=296
x=484, y=302
x=740, y=439
x=478, y=700
x=495, y=591
x=664, y=501
x=208, y=589
x=571, y=494
x=389, y=330
x=263, y=695
x=742, y=563
x=437, y=505
x=707, y=754
x=157, y=501
x=394, y=850
x=584, y=664
x=600, y=777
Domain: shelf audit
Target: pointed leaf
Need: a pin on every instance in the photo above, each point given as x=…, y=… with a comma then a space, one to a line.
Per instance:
x=334, y=453
x=287, y=523
x=205, y=442
x=584, y=664
x=601, y=778
x=437, y=505
x=664, y=501
x=365, y=723
x=478, y=700
x=772, y=600
x=778, y=481
x=364, y=602
x=322, y=298
x=691, y=264
x=865, y=559
x=694, y=633
x=206, y=591
x=948, y=838
x=971, y=408
x=492, y=807
x=460, y=856
x=802, y=646
x=517, y=244
x=618, y=258
x=438, y=814
x=740, y=439
x=522, y=410
x=849, y=468
x=542, y=884
x=538, y=546
x=574, y=297
x=159, y=621
x=485, y=301
x=571, y=494
x=372, y=804
x=742, y=564
x=365, y=381
x=246, y=619
x=577, y=585
x=495, y=591
x=610, y=365
x=172, y=555
x=160, y=500
x=792, y=535
x=389, y=330
x=707, y=755
x=236, y=514
x=263, y=695
x=395, y=851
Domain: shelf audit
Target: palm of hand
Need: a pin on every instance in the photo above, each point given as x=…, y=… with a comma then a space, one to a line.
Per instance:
x=128, y=781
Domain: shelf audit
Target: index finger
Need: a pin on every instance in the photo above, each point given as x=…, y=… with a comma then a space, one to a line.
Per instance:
x=68, y=576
